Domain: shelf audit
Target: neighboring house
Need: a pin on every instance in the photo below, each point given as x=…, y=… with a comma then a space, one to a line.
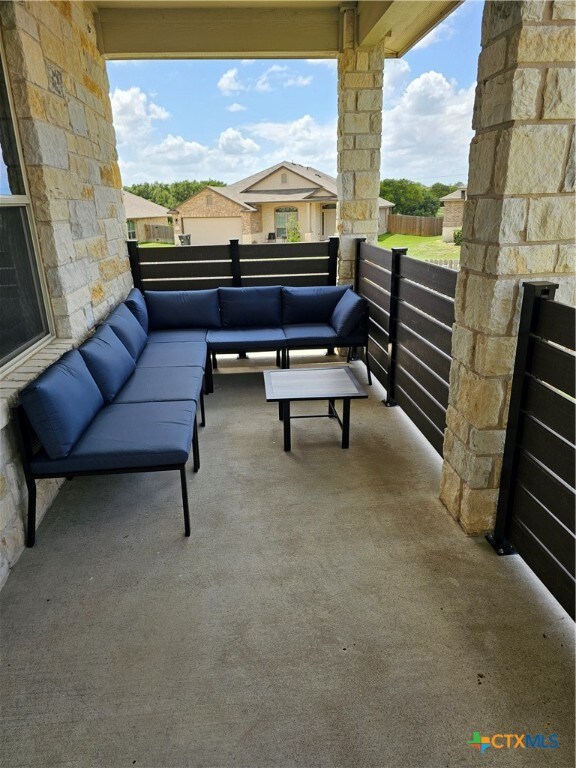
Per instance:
x=453, y=213
x=146, y=221
x=258, y=208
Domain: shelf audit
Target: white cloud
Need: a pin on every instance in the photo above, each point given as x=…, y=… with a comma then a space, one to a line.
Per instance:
x=396, y=73
x=426, y=134
x=231, y=142
x=264, y=81
x=330, y=63
x=229, y=82
x=299, y=81
x=235, y=107
x=443, y=31
x=175, y=148
x=303, y=140
x=246, y=62
x=134, y=114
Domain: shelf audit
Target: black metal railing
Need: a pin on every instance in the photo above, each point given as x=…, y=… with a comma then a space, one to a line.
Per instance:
x=195, y=267
x=535, y=516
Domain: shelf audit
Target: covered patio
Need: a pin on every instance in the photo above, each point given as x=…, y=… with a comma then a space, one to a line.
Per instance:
x=325, y=612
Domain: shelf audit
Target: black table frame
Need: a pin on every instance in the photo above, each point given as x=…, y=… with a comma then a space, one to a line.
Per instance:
x=285, y=415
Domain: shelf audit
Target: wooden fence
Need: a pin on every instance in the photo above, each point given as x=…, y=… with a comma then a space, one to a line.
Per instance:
x=194, y=267
x=449, y=263
x=410, y=332
x=536, y=504
x=424, y=226
x=158, y=233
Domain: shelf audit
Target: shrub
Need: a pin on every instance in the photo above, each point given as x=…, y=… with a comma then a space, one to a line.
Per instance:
x=292, y=229
x=457, y=237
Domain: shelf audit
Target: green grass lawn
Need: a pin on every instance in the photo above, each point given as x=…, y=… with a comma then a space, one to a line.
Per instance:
x=421, y=247
x=155, y=245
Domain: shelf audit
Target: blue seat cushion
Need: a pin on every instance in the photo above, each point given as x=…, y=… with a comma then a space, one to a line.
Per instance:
x=128, y=330
x=259, y=307
x=136, y=304
x=178, y=334
x=348, y=313
x=128, y=436
x=61, y=403
x=245, y=339
x=183, y=309
x=173, y=353
x=153, y=385
x=307, y=335
x=108, y=361
x=310, y=305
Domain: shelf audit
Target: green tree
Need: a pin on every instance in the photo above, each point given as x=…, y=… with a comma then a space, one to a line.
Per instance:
x=410, y=198
x=440, y=190
x=292, y=229
x=171, y=195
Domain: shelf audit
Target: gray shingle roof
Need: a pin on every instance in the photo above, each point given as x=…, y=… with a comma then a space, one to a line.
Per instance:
x=140, y=208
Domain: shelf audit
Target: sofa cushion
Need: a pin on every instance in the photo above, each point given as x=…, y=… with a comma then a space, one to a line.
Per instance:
x=312, y=334
x=245, y=339
x=148, y=385
x=128, y=330
x=61, y=403
x=177, y=334
x=348, y=313
x=128, y=436
x=108, y=361
x=136, y=304
x=173, y=354
x=251, y=307
x=310, y=305
x=183, y=309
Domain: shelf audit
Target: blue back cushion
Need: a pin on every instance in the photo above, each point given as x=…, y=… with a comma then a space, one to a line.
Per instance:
x=61, y=403
x=310, y=305
x=136, y=304
x=251, y=307
x=108, y=361
x=183, y=309
x=348, y=313
x=128, y=330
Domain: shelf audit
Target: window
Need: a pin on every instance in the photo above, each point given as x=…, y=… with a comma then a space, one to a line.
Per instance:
x=23, y=319
x=131, y=229
x=283, y=178
x=281, y=218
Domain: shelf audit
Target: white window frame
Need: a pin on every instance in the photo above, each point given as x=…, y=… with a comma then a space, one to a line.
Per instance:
x=23, y=201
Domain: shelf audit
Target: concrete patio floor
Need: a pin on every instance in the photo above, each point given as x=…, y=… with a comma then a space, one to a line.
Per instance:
x=326, y=611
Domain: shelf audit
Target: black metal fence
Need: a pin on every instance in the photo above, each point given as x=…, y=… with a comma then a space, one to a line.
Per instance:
x=410, y=332
x=195, y=267
x=537, y=490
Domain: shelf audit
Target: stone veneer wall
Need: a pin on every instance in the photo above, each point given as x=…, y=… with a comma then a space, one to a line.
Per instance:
x=360, y=76
x=64, y=119
x=518, y=225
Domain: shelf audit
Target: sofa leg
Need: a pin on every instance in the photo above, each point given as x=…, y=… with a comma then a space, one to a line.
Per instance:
x=368, y=371
x=202, y=410
x=195, y=448
x=208, y=375
x=214, y=361
x=330, y=351
x=185, y=501
x=31, y=529
x=278, y=358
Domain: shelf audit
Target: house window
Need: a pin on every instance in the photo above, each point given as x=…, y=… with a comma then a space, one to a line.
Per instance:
x=22, y=306
x=131, y=229
x=283, y=178
x=281, y=218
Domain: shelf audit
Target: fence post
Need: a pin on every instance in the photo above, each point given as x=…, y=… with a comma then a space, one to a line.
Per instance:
x=359, y=242
x=333, y=245
x=132, y=246
x=393, y=325
x=499, y=539
x=235, y=263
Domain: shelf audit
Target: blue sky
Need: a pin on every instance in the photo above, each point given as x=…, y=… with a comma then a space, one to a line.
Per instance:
x=226, y=119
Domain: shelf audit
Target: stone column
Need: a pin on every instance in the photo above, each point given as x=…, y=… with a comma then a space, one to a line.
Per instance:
x=518, y=226
x=360, y=74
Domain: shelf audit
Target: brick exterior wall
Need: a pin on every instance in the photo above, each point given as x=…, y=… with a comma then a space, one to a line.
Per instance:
x=453, y=213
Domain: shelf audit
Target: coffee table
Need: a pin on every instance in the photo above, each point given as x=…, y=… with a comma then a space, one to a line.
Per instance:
x=334, y=383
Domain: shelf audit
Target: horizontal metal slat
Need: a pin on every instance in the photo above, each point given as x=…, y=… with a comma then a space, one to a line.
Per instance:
x=437, y=335
x=553, y=365
x=378, y=276
x=186, y=285
x=437, y=388
x=549, y=491
x=430, y=407
x=378, y=371
x=377, y=314
x=189, y=269
x=380, y=256
x=284, y=267
x=380, y=355
x=432, y=276
x=554, y=411
x=548, y=449
x=430, y=431
x=431, y=356
x=185, y=253
x=287, y=280
x=556, y=323
x=433, y=304
x=283, y=250
x=378, y=334
x=555, y=578
x=545, y=528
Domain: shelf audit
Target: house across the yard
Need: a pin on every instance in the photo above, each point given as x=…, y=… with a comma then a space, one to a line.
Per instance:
x=259, y=208
x=453, y=213
x=146, y=221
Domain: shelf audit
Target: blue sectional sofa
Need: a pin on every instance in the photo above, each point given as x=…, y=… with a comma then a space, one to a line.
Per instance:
x=110, y=406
